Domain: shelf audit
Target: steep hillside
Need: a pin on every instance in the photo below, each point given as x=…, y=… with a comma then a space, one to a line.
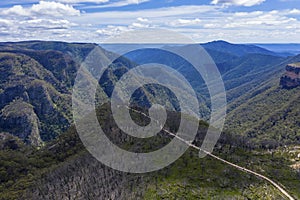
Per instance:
x=240, y=73
x=24, y=81
x=271, y=117
x=64, y=170
x=38, y=77
x=236, y=71
x=257, y=105
x=268, y=113
x=41, y=74
x=248, y=72
x=36, y=80
x=291, y=77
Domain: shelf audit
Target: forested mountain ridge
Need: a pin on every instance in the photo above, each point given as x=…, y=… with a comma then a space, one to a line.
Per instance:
x=39, y=76
x=36, y=85
x=269, y=112
x=258, y=107
x=64, y=169
x=237, y=49
x=35, y=98
x=291, y=78
x=36, y=88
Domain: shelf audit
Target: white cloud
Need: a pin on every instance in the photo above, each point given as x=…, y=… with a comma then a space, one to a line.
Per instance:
x=184, y=22
x=267, y=20
x=42, y=8
x=294, y=12
x=238, y=2
x=10, y=2
x=112, y=30
x=53, y=8
x=38, y=21
x=46, y=24
x=139, y=25
x=202, y=22
x=17, y=10
x=207, y=21
x=140, y=19
x=119, y=4
x=82, y=1
x=5, y=23
x=119, y=17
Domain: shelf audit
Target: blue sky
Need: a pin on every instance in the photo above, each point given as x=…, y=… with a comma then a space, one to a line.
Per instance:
x=237, y=21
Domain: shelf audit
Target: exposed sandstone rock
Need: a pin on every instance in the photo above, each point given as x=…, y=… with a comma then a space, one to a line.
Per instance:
x=291, y=78
x=19, y=119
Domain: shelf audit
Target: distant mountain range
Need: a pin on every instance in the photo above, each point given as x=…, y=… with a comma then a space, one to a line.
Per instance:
x=284, y=49
x=251, y=75
x=36, y=80
x=237, y=49
x=38, y=76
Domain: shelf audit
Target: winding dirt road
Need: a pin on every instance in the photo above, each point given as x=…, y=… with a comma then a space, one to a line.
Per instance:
x=281, y=189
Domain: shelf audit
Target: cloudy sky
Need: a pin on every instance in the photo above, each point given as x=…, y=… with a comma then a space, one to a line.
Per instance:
x=238, y=21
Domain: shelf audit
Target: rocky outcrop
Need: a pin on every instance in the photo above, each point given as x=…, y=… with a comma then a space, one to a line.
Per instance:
x=33, y=106
x=291, y=78
x=19, y=119
x=8, y=141
x=36, y=81
x=41, y=75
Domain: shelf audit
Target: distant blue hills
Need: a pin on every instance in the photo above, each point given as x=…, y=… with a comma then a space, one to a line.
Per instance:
x=288, y=49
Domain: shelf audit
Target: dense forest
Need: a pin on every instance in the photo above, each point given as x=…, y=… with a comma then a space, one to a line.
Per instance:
x=42, y=157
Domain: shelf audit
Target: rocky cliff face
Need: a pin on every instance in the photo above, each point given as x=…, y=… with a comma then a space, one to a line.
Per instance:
x=35, y=88
x=19, y=118
x=40, y=75
x=291, y=78
x=27, y=99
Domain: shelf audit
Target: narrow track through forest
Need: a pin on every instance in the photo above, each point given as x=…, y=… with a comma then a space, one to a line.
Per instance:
x=280, y=188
